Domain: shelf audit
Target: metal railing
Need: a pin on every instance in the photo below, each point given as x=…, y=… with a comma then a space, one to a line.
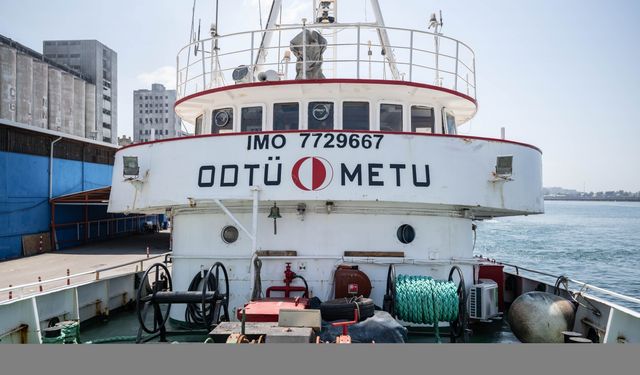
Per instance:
x=18, y=291
x=84, y=231
x=414, y=56
x=583, y=287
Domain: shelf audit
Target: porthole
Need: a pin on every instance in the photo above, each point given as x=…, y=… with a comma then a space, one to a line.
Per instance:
x=321, y=111
x=406, y=234
x=230, y=234
x=222, y=119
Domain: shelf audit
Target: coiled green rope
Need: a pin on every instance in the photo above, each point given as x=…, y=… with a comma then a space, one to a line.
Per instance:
x=110, y=340
x=69, y=334
x=423, y=300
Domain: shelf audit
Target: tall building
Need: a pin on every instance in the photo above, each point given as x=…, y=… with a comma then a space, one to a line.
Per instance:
x=99, y=63
x=153, y=114
x=36, y=91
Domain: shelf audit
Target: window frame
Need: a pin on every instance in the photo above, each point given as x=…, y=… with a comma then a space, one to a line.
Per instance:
x=343, y=101
x=445, y=123
x=336, y=123
x=195, y=124
x=233, y=119
x=391, y=102
x=249, y=105
x=272, y=118
x=434, y=115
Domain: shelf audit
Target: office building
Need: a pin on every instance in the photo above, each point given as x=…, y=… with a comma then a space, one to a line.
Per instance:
x=153, y=114
x=99, y=63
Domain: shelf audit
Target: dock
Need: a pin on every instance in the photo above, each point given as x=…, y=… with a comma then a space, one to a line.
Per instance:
x=82, y=262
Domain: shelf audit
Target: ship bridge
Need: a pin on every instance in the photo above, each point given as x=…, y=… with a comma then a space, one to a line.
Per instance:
x=327, y=111
x=399, y=79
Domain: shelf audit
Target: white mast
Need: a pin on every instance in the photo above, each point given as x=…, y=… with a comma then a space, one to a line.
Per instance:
x=268, y=33
x=384, y=40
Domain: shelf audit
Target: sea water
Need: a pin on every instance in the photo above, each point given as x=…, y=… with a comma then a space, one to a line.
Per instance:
x=593, y=242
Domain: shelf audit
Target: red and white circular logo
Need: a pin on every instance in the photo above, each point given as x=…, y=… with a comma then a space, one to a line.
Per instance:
x=312, y=173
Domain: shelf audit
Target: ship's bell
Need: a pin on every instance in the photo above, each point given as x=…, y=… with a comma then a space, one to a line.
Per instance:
x=274, y=214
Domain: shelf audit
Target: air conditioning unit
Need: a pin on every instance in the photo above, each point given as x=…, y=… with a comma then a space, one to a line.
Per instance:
x=483, y=300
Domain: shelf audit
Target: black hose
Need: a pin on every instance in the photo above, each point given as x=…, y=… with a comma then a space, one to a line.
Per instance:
x=306, y=286
x=459, y=326
x=389, y=301
x=193, y=314
x=256, y=294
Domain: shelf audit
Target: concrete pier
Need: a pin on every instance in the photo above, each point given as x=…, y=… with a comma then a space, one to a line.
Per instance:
x=78, y=260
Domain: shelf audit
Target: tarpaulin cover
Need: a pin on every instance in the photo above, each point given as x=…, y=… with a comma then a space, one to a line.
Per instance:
x=380, y=328
x=316, y=45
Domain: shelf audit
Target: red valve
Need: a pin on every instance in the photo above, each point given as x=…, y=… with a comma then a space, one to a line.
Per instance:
x=288, y=274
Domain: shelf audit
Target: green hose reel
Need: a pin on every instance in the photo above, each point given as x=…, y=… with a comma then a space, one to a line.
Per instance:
x=424, y=300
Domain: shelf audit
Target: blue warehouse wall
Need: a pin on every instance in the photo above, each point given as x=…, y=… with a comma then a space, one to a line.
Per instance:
x=24, y=193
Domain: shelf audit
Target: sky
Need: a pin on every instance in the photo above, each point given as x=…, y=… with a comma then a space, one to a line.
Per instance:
x=561, y=75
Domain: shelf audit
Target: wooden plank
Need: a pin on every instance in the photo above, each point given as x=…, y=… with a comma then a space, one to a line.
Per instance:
x=374, y=254
x=38, y=243
x=277, y=253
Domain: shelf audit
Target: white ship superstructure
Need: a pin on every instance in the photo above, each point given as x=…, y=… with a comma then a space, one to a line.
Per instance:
x=358, y=152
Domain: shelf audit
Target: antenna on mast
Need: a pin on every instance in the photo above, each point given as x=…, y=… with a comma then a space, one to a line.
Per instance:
x=196, y=48
x=436, y=25
x=193, y=16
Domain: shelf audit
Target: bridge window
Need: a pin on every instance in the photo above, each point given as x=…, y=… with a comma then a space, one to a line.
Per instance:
x=222, y=121
x=251, y=119
x=391, y=117
x=320, y=116
x=355, y=115
x=422, y=120
x=285, y=116
x=450, y=123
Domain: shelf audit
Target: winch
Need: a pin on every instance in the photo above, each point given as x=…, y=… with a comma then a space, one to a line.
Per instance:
x=210, y=305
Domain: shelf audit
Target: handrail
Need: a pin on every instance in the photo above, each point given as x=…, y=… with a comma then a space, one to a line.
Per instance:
x=324, y=26
x=77, y=275
x=447, y=65
x=584, y=286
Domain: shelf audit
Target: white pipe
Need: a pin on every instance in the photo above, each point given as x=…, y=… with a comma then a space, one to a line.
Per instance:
x=254, y=219
x=51, y=167
x=226, y=211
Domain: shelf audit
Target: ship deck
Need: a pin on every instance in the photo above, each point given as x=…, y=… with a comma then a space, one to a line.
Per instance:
x=122, y=328
x=80, y=259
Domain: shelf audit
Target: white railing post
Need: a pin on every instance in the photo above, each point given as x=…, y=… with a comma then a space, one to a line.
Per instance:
x=455, y=85
x=252, y=68
x=475, y=93
x=358, y=62
x=178, y=91
x=437, y=45
x=304, y=51
x=411, y=56
x=204, y=67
